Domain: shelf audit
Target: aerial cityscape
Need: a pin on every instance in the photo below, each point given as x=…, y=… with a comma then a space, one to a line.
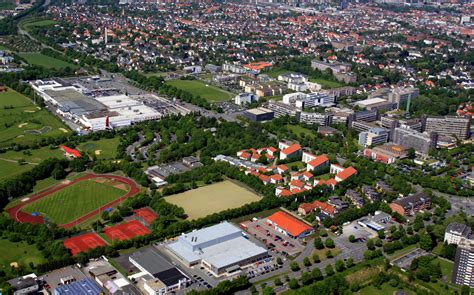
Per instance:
x=236, y=147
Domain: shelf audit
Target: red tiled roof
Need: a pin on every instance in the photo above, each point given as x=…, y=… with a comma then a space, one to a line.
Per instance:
x=346, y=173
x=324, y=207
x=289, y=224
x=282, y=167
x=277, y=177
x=291, y=149
x=264, y=178
x=319, y=160
x=272, y=149
x=245, y=155
x=297, y=183
x=307, y=174
x=71, y=151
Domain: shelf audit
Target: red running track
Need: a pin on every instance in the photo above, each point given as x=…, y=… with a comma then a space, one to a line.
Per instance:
x=20, y=216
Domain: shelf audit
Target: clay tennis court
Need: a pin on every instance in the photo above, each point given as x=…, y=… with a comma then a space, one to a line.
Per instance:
x=126, y=231
x=147, y=214
x=83, y=243
x=20, y=216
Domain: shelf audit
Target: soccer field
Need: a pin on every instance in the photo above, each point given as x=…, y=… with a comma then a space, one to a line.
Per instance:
x=208, y=92
x=22, y=122
x=46, y=61
x=212, y=198
x=77, y=200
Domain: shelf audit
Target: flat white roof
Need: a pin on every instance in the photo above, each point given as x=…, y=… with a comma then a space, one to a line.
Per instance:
x=371, y=101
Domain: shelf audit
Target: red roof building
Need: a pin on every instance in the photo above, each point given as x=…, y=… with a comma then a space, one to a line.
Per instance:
x=72, y=153
x=291, y=151
x=289, y=225
x=317, y=163
x=345, y=174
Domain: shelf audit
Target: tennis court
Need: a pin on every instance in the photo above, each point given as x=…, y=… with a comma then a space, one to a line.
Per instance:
x=83, y=243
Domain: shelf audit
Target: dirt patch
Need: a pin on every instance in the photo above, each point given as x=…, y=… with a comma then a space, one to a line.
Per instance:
x=14, y=264
x=25, y=199
x=100, y=180
x=22, y=124
x=121, y=186
x=97, y=152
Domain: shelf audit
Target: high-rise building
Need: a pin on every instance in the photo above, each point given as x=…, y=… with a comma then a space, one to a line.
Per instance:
x=448, y=126
x=455, y=232
x=403, y=96
x=373, y=136
x=421, y=142
x=463, y=273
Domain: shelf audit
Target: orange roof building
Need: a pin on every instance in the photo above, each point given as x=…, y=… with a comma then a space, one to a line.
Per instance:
x=291, y=151
x=72, y=153
x=289, y=225
x=345, y=174
x=317, y=163
x=258, y=66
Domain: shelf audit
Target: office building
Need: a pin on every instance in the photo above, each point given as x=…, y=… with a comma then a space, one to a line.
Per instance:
x=259, y=114
x=463, y=272
x=403, y=96
x=373, y=136
x=458, y=127
x=220, y=249
x=322, y=119
x=281, y=109
x=410, y=205
x=421, y=142
x=455, y=231
x=27, y=284
x=366, y=116
x=360, y=126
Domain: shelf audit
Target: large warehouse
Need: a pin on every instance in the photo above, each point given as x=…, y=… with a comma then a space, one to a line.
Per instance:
x=220, y=249
x=96, y=109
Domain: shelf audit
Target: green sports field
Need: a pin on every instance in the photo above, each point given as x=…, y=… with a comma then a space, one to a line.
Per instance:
x=76, y=200
x=208, y=92
x=103, y=149
x=213, y=198
x=49, y=62
x=22, y=122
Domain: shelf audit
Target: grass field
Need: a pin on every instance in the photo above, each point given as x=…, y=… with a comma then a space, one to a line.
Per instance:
x=298, y=130
x=39, y=23
x=326, y=84
x=46, y=61
x=22, y=122
x=274, y=73
x=21, y=252
x=213, y=198
x=75, y=201
x=385, y=289
x=102, y=149
x=10, y=169
x=208, y=92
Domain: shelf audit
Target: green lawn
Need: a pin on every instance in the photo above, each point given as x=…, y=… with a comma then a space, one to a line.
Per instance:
x=274, y=73
x=23, y=123
x=39, y=23
x=386, y=289
x=208, y=92
x=46, y=61
x=102, y=149
x=326, y=84
x=34, y=156
x=298, y=164
x=74, y=201
x=298, y=130
x=21, y=252
x=11, y=169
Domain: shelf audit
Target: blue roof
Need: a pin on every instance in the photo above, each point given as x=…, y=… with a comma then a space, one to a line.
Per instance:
x=85, y=286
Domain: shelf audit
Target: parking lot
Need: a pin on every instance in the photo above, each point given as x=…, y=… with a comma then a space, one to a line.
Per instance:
x=273, y=240
x=405, y=261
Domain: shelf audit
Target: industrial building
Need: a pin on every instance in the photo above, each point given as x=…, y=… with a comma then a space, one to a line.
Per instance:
x=220, y=249
x=289, y=225
x=259, y=114
x=85, y=286
x=100, y=109
x=161, y=277
x=377, y=222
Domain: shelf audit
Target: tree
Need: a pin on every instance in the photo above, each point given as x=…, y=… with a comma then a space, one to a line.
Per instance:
x=306, y=278
x=293, y=284
x=340, y=266
x=278, y=282
x=329, y=254
x=316, y=258
x=381, y=234
x=329, y=270
x=317, y=274
x=411, y=153
x=279, y=261
x=350, y=262
x=294, y=266
x=329, y=243
x=318, y=243
x=370, y=244
x=426, y=243
x=268, y=291
x=306, y=261
x=352, y=238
